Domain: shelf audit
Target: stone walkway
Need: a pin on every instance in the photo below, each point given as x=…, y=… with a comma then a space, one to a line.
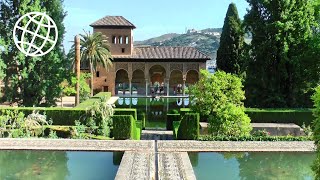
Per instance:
x=151, y=160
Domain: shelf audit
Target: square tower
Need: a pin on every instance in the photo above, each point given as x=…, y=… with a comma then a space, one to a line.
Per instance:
x=119, y=33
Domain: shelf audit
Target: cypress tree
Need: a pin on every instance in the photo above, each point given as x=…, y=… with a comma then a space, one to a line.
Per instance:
x=231, y=43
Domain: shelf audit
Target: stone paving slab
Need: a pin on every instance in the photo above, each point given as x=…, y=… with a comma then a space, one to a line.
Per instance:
x=175, y=166
x=244, y=146
x=76, y=145
x=137, y=166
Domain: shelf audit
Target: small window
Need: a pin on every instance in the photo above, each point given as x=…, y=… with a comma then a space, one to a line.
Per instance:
x=123, y=50
x=98, y=74
x=114, y=40
x=127, y=40
x=120, y=40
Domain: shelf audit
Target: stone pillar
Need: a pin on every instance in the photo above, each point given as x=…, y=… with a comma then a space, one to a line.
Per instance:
x=77, y=66
x=147, y=81
x=184, y=85
x=130, y=86
x=168, y=87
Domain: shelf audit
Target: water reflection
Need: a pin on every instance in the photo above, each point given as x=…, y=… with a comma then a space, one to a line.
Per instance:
x=253, y=165
x=154, y=110
x=20, y=164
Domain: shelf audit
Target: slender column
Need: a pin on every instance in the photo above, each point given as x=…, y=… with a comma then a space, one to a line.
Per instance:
x=130, y=87
x=147, y=80
x=168, y=87
x=184, y=85
x=77, y=60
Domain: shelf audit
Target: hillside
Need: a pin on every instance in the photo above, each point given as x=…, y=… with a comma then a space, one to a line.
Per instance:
x=206, y=40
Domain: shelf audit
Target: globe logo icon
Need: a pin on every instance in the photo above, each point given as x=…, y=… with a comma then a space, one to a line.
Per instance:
x=35, y=34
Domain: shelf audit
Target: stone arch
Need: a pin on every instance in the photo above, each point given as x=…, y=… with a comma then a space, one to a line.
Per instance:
x=176, y=82
x=157, y=73
x=138, y=82
x=192, y=77
x=122, y=82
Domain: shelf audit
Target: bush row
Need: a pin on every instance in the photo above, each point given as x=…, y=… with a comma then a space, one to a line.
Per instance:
x=296, y=116
x=125, y=127
x=65, y=116
x=254, y=138
x=94, y=99
x=172, y=118
x=188, y=129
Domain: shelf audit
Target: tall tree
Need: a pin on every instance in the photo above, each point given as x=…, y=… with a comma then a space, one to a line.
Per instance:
x=231, y=43
x=32, y=81
x=281, y=30
x=94, y=49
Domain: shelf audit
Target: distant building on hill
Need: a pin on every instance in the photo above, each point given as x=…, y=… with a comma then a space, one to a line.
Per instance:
x=138, y=70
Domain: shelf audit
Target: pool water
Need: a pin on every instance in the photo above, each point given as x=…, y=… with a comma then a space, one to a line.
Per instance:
x=68, y=165
x=253, y=165
x=155, y=110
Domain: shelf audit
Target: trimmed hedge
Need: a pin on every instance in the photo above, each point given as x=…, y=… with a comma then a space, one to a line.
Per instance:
x=123, y=127
x=170, y=119
x=126, y=127
x=176, y=125
x=59, y=116
x=121, y=111
x=102, y=94
x=189, y=127
x=296, y=116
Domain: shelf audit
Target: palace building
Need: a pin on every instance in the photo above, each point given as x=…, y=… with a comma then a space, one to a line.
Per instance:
x=144, y=70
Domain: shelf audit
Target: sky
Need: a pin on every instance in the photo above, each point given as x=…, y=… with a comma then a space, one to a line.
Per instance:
x=151, y=17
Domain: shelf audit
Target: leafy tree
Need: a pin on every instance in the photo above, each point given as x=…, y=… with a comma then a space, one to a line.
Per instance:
x=220, y=97
x=95, y=51
x=231, y=43
x=230, y=120
x=32, y=81
x=69, y=87
x=281, y=30
x=214, y=91
x=316, y=112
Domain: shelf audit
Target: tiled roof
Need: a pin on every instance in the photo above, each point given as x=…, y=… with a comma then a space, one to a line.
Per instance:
x=118, y=21
x=159, y=52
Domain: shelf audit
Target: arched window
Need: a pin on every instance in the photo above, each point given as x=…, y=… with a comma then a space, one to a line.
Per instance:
x=127, y=39
x=114, y=39
x=120, y=40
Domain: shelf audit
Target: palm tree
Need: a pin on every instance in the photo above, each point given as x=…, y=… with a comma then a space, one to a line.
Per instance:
x=94, y=50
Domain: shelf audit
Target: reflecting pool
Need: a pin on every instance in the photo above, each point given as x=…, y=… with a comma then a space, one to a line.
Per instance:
x=253, y=165
x=69, y=165
x=154, y=109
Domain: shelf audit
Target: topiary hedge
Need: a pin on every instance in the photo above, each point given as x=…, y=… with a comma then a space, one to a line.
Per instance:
x=296, y=116
x=123, y=111
x=170, y=119
x=189, y=127
x=126, y=127
x=59, y=116
x=102, y=94
x=123, y=127
x=176, y=125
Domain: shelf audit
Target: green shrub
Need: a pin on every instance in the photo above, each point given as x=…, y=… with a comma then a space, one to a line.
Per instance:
x=88, y=103
x=176, y=125
x=173, y=111
x=184, y=111
x=170, y=119
x=103, y=94
x=230, y=121
x=213, y=91
x=296, y=116
x=316, y=113
x=124, y=127
x=59, y=116
x=189, y=127
x=120, y=111
x=138, y=130
x=142, y=118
